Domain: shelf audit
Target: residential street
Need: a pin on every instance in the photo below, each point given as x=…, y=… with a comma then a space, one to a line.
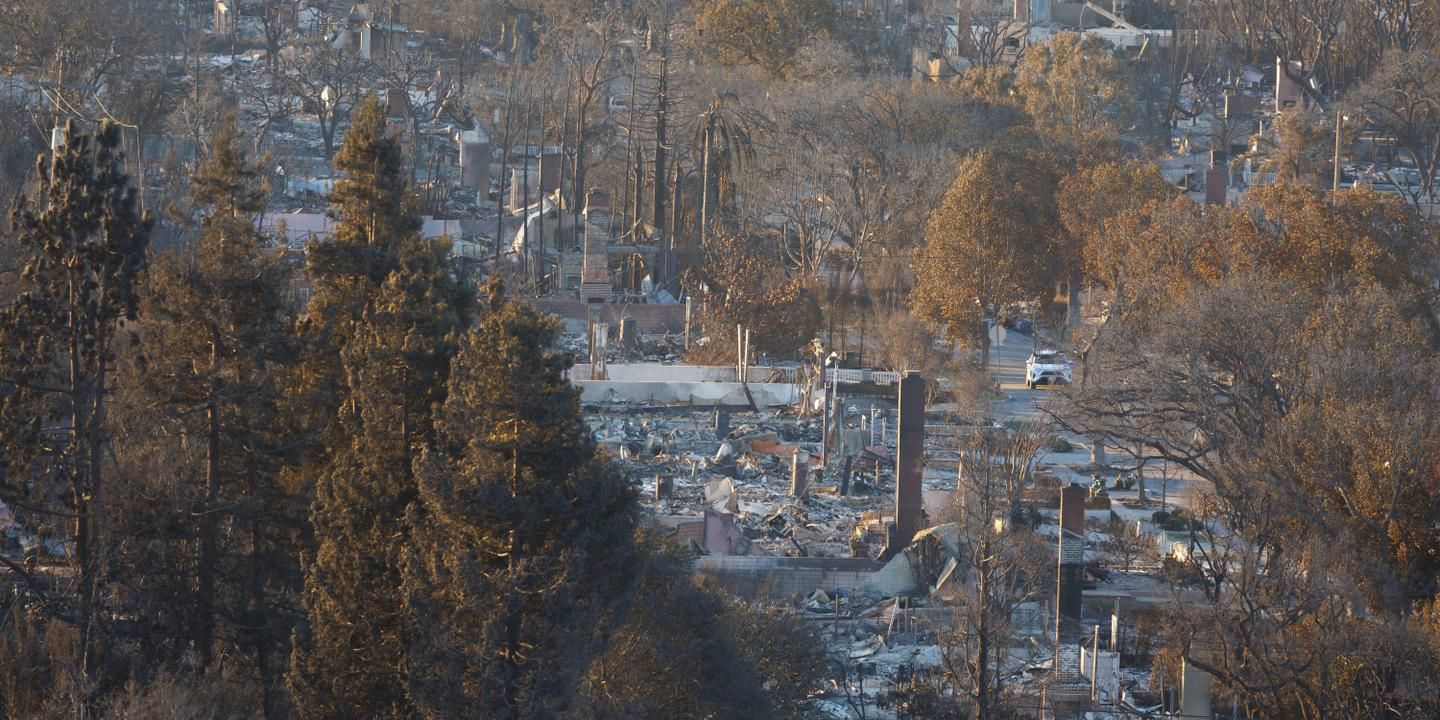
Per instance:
x=1007, y=363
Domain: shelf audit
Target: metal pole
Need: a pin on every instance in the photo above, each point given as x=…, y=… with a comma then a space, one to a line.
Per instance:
x=825, y=421
x=1339, y=123
x=745, y=359
x=739, y=348
x=1115, y=627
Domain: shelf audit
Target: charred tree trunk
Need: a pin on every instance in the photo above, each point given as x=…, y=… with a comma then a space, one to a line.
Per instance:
x=662, y=106
x=209, y=530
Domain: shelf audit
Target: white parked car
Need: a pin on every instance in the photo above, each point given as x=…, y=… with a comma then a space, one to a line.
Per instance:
x=1047, y=367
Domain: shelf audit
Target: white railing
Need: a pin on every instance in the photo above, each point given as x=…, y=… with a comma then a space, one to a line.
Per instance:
x=855, y=377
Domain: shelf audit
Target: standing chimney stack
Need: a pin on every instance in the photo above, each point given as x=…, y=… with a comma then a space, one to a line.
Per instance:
x=1068, y=592
x=909, y=464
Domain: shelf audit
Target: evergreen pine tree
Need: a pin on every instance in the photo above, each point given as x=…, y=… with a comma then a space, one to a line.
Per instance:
x=376, y=236
x=213, y=338
x=380, y=330
x=81, y=243
x=521, y=552
x=757, y=662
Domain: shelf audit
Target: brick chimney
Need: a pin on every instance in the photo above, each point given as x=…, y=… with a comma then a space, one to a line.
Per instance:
x=595, y=284
x=550, y=171
x=1069, y=596
x=909, y=464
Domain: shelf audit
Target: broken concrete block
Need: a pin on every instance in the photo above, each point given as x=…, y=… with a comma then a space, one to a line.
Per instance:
x=720, y=494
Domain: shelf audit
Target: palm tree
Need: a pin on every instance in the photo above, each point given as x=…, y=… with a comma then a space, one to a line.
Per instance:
x=721, y=136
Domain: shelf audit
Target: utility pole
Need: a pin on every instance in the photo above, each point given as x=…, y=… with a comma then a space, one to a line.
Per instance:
x=563, y=203
x=832, y=362
x=539, y=267
x=525, y=189
x=504, y=166
x=1095, y=665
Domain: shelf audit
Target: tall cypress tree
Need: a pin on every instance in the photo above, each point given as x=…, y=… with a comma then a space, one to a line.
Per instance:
x=521, y=542
x=82, y=244
x=381, y=328
x=214, y=336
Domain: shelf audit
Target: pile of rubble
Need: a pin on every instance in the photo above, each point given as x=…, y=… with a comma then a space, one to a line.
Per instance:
x=760, y=470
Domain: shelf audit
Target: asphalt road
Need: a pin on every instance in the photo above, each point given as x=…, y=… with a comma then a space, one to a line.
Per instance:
x=1007, y=366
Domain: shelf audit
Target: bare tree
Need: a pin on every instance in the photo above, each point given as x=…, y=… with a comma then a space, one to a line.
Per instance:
x=1195, y=61
x=326, y=82
x=582, y=46
x=988, y=34
x=1296, y=403
x=1125, y=545
x=424, y=92
x=1004, y=563
x=1403, y=97
x=1403, y=25
x=1302, y=34
x=278, y=20
x=79, y=45
x=267, y=102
